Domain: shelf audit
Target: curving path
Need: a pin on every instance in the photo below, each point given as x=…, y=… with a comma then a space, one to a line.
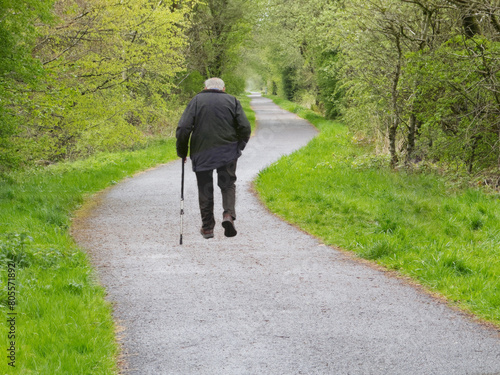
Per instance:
x=272, y=300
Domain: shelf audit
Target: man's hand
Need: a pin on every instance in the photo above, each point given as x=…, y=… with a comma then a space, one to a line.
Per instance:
x=241, y=145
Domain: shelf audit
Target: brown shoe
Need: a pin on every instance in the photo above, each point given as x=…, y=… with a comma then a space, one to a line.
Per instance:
x=207, y=233
x=228, y=224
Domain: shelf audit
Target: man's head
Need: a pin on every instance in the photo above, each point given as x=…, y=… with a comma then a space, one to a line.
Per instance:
x=215, y=84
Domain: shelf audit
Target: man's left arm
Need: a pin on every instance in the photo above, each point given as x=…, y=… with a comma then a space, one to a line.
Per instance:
x=243, y=128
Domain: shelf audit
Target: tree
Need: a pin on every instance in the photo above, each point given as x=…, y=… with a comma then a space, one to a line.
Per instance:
x=422, y=72
x=218, y=30
x=19, y=71
x=109, y=68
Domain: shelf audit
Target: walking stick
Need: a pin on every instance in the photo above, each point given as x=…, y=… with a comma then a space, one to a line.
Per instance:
x=182, y=198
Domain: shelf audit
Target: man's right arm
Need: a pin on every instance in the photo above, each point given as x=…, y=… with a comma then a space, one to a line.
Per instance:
x=185, y=128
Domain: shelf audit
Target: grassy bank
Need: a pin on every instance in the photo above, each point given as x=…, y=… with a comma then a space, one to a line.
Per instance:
x=245, y=103
x=446, y=238
x=62, y=323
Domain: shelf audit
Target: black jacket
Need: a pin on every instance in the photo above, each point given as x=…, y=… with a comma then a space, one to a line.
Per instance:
x=218, y=127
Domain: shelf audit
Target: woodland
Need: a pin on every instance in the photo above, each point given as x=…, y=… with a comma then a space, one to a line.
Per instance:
x=417, y=80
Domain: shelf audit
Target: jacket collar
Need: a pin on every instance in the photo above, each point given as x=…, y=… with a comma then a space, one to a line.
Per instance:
x=213, y=90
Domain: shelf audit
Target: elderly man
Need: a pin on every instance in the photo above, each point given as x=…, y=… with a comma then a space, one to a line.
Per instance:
x=219, y=131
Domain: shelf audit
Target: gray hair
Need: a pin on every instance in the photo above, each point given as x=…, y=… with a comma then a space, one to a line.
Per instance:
x=215, y=83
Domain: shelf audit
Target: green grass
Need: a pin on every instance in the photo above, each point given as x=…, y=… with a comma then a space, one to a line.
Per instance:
x=63, y=324
x=245, y=103
x=445, y=238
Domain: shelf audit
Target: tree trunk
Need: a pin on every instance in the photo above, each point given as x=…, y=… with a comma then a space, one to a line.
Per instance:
x=472, y=159
x=393, y=128
x=499, y=148
x=411, y=137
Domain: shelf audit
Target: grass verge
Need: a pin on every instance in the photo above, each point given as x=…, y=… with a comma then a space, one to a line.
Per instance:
x=62, y=324
x=245, y=104
x=447, y=239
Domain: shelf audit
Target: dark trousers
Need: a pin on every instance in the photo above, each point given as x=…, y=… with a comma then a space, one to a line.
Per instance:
x=226, y=177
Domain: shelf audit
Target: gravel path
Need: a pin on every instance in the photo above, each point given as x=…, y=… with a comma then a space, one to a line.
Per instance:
x=272, y=300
